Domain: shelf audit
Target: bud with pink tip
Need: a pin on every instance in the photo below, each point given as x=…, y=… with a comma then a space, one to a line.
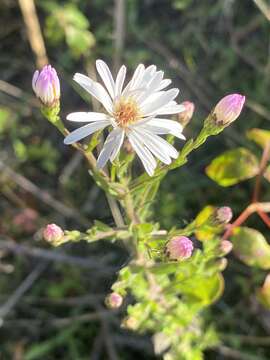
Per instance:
x=185, y=116
x=46, y=85
x=53, y=233
x=114, y=300
x=226, y=247
x=223, y=215
x=228, y=109
x=179, y=248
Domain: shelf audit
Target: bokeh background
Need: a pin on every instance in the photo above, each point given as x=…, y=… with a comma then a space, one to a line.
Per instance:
x=52, y=300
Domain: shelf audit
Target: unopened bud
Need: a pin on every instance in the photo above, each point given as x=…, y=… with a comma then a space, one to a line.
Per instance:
x=223, y=215
x=226, y=247
x=222, y=264
x=46, y=85
x=53, y=234
x=130, y=323
x=228, y=109
x=179, y=248
x=114, y=300
x=185, y=116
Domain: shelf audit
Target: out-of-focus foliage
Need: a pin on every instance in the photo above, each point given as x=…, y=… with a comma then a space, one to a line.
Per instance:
x=66, y=22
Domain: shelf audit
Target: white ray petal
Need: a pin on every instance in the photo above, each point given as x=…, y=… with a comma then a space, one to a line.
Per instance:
x=138, y=73
x=111, y=147
x=84, y=131
x=106, y=76
x=144, y=154
x=164, y=83
x=161, y=143
x=119, y=138
x=171, y=109
x=164, y=126
x=152, y=86
x=147, y=77
x=149, y=141
x=86, y=116
x=150, y=108
x=95, y=89
x=120, y=79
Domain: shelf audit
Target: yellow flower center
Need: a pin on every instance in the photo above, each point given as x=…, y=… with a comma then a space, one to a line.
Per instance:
x=126, y=111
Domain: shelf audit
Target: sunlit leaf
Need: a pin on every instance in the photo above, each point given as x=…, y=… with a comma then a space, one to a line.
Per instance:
x=259, y=136
x=250, y=246
x=233, y=166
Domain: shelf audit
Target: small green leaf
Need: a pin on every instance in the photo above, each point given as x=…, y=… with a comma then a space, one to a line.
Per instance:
x=206, y=228
x=233, y=166
x=203, y=289
x=259, y=136
x=251, y=247
x=263, y=294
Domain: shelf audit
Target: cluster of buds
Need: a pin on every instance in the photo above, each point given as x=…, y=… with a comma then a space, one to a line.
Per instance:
x=179, y=248
x=46, y=86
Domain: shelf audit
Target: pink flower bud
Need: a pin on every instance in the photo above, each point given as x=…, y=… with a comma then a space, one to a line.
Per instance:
x=53, y=233
x=46, y=85
x=223, y=215
x=228, y=109
x=114, y=300
x=185, y=116
x=179, y=248
x=226, y=247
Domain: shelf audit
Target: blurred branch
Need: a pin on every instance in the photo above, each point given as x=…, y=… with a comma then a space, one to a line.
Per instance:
x=258, y=109
x=196, y=84
x=57, y=256
x=33, y=31
x=236, y=354
x=16, y=92
x=265, y=9
x=119, y=32
x=44, y=196
x=21, y=290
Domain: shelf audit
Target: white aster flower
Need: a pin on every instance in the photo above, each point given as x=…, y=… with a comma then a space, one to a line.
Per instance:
x=135, y=111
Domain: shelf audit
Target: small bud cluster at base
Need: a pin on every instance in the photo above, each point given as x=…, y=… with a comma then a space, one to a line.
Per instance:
x=179, y=248
x=114, y=300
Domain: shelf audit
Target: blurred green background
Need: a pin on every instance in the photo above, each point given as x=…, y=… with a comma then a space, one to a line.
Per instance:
x=52, y=302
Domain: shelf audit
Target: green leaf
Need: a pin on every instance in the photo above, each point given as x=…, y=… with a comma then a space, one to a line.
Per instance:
x=251, y=247
x=206, y=227
x=259, y=136
x=233, y=166
x=206, y=290
x=263, y=294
